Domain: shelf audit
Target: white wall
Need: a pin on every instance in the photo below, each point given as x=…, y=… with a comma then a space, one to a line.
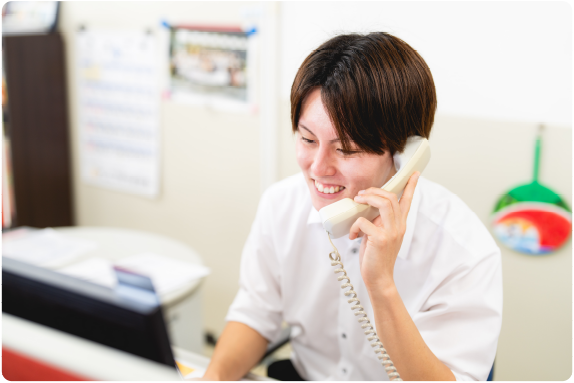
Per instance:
x=497, y=60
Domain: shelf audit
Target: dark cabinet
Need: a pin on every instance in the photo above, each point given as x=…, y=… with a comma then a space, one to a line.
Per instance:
x=37, y=126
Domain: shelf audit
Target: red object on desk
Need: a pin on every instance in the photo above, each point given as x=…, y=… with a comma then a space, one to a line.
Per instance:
x=16, y=366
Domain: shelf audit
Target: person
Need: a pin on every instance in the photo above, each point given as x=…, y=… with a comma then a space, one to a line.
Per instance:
x=426, y=270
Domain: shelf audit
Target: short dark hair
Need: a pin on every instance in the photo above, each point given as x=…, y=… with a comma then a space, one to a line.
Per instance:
x=376, y=89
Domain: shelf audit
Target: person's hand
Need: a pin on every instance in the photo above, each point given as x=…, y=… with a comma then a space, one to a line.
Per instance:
x=382, y=238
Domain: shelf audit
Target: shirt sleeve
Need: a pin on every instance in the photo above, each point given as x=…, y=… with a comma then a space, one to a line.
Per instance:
x=460, y=320
x=258, y=302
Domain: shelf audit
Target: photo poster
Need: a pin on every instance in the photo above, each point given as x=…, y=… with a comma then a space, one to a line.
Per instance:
x=119, y=110
x=213, y=67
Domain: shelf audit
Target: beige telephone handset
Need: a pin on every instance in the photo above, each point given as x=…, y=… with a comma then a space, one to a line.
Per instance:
x=338, y=218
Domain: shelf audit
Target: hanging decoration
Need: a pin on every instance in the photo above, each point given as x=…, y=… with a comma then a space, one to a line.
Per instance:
x=531, y=218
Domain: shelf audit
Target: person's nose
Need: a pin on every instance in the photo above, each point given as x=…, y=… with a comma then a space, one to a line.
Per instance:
x=324, y=163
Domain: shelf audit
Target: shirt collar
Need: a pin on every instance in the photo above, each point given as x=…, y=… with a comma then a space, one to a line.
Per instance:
x=315, y=218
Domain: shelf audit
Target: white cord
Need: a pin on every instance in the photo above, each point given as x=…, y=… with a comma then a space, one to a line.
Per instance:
x=365, y=322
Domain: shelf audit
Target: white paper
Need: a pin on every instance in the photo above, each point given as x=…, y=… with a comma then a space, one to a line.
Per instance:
x=46, y=247
x=118, y=116
x=95, y=270
x=167, y=274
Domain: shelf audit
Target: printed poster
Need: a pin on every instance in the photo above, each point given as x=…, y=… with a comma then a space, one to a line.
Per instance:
x=118, y=116
x=212, y=67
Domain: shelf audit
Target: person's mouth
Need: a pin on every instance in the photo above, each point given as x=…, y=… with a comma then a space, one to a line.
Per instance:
x=328, y=188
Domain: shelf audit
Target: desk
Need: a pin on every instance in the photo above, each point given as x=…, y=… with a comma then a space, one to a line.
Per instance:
x=200, y=361
x=79, y=358
x=182, y=308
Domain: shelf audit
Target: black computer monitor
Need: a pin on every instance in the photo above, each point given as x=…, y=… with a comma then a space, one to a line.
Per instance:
x=128, y=317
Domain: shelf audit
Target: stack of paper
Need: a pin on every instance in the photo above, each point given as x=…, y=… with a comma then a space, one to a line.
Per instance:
x=95, y=270
x=167, y=274
x=46, y=247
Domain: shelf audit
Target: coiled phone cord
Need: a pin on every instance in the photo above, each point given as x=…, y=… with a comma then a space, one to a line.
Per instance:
x=365, y=322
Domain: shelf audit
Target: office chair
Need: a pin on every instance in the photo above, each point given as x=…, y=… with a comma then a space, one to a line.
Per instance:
x=490, y=374
x=282, y=340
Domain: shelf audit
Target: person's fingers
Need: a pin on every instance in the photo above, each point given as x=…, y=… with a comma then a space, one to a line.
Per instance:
x=362, y=226
x=384, y=205
x=392, y=197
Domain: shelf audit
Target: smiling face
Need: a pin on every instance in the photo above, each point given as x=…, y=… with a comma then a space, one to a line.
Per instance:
x=330, y=173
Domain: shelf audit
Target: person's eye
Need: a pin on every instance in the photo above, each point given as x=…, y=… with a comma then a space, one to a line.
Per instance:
x=348, y=152
x=307, y=141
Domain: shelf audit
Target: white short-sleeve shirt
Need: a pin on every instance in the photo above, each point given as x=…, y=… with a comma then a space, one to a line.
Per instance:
x=448, y=273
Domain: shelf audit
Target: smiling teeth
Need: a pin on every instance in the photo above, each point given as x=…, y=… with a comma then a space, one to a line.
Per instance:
x=327, y=189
